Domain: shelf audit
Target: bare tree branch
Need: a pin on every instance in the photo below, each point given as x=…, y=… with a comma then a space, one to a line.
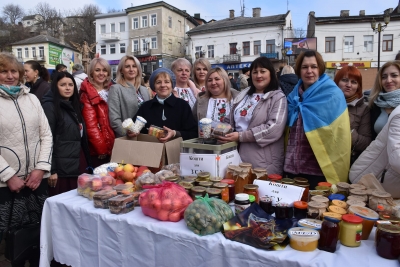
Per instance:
x=13, y=13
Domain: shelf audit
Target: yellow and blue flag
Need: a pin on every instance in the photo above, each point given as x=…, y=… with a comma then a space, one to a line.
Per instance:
x=326, y=124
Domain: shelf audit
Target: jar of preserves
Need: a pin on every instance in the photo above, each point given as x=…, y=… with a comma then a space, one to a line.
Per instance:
x=206, y=184
x=358, y=198
x=230, y=172
x=360, y=193
x=350, y=230
x=321, y=199
x=312, y=193
x=252, y=189
x=343, y=188
x=303, y=239
x=275, y=178
x=247, y=166
x=214, y=193
x=380, y=198
x=300, y=180
x=231, y=188
x=387, y=241
x=390, y=218
x=306, y=187
x=224, y=191
x=260, y=174
x=353, y=202
x=315, y=210
x=266, y=205
x=369, y=218
x=186, y=185
x=190, y=179
x=325, y=184
x=282, y=211
x=215, y=179
x=357, y=186
x=300, y=209
x=242, y=202
x=325, y=189
x=329, y=234
x=197, y=191
x=241, y=179
x=287, y=181
x=173, y=179
x=203, y=176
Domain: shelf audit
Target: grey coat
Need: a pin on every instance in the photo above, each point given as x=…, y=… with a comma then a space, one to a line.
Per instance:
x=201, y=105
x=262, y=143
x=123, y=104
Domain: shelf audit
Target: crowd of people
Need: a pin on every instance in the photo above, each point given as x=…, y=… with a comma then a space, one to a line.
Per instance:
x=300, y=123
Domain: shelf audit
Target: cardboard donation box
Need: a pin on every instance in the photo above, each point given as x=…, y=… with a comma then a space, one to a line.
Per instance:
x=145, y=150
x=213, y=158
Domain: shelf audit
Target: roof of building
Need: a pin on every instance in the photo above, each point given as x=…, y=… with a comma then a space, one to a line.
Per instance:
x=235, y=23
x=42, y=39
x=110, y=15
x=29, y=17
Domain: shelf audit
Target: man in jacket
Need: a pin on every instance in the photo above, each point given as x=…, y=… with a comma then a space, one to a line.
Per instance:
x=79, y=75
x=243, y=78
x=233, y=83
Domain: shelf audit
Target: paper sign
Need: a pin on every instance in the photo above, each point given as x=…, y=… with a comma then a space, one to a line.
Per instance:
x=279, y=193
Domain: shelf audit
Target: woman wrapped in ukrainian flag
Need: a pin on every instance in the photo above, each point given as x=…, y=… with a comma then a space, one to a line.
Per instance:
x=319, y=139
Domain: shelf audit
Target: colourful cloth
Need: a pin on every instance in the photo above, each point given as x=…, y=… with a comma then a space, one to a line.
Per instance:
x=326, y=124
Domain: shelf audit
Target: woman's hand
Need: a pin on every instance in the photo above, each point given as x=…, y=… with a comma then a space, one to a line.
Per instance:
x=15, y=184
x=170, y=135
x=230, y=137
x=131, y=134
x=34, y=179
x=53, y=180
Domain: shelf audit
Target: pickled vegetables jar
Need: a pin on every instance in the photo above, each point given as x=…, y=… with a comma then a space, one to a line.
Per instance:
x=241, y=179
x=230, y=172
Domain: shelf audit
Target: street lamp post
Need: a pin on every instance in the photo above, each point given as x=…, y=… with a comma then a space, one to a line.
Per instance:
x=379, y=29
x=284, y=53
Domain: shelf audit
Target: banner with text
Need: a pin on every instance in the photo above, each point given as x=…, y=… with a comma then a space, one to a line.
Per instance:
x=279, y=193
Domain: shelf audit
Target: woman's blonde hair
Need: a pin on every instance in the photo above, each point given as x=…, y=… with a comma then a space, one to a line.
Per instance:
x=287, y=70
x=120, y=77
x=8, y=61
x=205, y=63
x=227, y=83
x=377, y=88
x=103, y=63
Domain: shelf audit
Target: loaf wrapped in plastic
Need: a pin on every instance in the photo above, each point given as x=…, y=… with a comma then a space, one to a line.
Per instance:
x=147, y=178
x=100, y=198
x=166, y=201
x=205, y=216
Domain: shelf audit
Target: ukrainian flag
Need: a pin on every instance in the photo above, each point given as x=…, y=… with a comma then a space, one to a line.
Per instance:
x=326, y=124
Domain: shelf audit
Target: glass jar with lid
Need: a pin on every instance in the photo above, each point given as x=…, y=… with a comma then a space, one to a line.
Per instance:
x=381, y=198
x=282, y=211
x=343, y=188
x=321, y=199
x=189, y=179
x=359, y=192
x=273, y=177
x=325, y=189
x=266, y=204
x=357, y=186
x=315, y=210
x=300, y=209
x=203, y=176
x=215, y=179
x=351, y=230
x=241, y=179
x=214, y=193
x=306, y=187
x=252, y=189
x=197, y=191
x=242, y=202
x=329, y=233
x=300, y=180
x=206, y=184
x=186, y=185
x=230, y=172
x=387, y=241
x=325, y=184
x=224, y=191
x=287, y=181
x=173, y=179
x=260, y=174
x=231, y=188
x=355, y=202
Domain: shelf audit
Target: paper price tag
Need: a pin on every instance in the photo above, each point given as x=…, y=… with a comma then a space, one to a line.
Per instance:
x=279, y=193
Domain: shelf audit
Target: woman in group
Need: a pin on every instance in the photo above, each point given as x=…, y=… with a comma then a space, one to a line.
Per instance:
x=200, y=69
x=216, y=102
x=287, y=79
x=185, y=88
x=70, y=149
x=94, y=97
x=349, y=80
x=258, y=117
x=26, y=145
x=382, y=156
x=319, y=140
x=167, y=111
x=127, y=94
x=37, y=78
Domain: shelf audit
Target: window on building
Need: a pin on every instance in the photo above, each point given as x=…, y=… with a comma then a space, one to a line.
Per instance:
x=210, y=51
x=329, y=44
x=153, y=18
x=19, y=52
x=112, y=48
x=135, y=45
x=348, y=44
x=270, y=46
x=41, y=51
x=122, y=26
x=170, y=44
x=103, y=49
x=153, y=42
x=135, y=23
x=28, y=22
x=197, y=51
x=144, y=21
x=122, y=48
x=257, y=47
x=145, y=45
x=169, y=22
x=33, y=51
x=102, y=28
x=368, y=43
x=153, y=66
x=112, y=27
x=232, y=48
x=26, y=52
x=387, y=42
x=246, y=48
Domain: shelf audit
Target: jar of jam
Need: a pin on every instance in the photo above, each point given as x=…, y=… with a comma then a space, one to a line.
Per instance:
x=312, y=193
x=275, y=178
x=260, y=174
x=306, y=187
x=242, y=202
x=241, y=179
x=173, y=179
x=329, y=234
x=300, y=180
x=321, y=199
x=379, y=198
x=343, y=188
x=206, y=184
x=215, y=179
x=387, y=241
x=300, y=209
x=282, y=211
x=246, y=166
x=230, y=172
x=315, y=210
x=266, y=205
x=287, y=181
x=203, y=176
x=325, y=184
x=197, y=191
x=359, y=192
x=186, y=185
x=231, y=188
x=224, y=191
x=214, y=193
x=251, y=189
x=325, y=189
x=350, y=230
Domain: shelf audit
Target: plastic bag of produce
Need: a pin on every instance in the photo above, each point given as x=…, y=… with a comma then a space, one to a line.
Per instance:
x=175, y=168
x=147, y=178
x=161, y=175
x=166, y=201
x=205, y=215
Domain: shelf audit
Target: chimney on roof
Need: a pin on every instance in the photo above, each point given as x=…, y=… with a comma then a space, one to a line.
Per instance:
x=344, y=13
x=231, y=13
x=362, y=13
x=256, y=12
x=312, y=13
x=196, y=15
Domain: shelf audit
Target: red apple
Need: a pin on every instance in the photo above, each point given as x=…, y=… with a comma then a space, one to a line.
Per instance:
x=127, y=177
x=107, y=180
x=120, y=174
x=97, y=184
x=84, y=181
x=112, y=174
x=118, y=169
x=119, y=182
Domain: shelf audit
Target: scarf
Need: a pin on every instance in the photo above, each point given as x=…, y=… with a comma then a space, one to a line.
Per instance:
x=351, y=98
x=161, y=100
x=11, y=90
x=388, y=100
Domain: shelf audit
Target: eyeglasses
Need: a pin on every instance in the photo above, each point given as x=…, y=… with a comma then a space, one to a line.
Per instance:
x=346, y=80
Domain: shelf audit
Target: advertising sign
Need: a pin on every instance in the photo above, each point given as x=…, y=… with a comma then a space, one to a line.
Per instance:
x=298, y=45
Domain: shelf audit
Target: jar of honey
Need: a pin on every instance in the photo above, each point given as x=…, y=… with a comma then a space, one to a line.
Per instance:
x=315, y=209
x=203, y=176
x=321, y=199
x=343, y=188
x=224, y=191
x=303, y=239
x=275, y=178
x=230, y=172
x=387, y=241
x=206, y=184
x=306, y=187
x=350, y=230
x=241, y=179
x=252, y=189
x=231, y=188
x=325, y=189
x=197, y=191
x=300, y=180
x=214, y=193
x=260, y=174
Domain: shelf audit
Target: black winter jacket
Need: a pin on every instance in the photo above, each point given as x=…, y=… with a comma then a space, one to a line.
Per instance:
x=67, y=140
x=288, y=81
x=39, y=88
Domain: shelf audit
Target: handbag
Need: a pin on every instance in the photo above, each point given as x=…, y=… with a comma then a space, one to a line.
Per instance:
x=22, y=240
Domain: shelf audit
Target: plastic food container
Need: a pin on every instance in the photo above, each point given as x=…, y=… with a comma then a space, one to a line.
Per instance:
x=303, y=239
x=84, y=180
x=221, y=129
x=96, y=183
x=124, y=188
x=100, y=199
x=310, y=223
x=157, y=131
x=369, y=218
x=121, y=204
x=351, y=230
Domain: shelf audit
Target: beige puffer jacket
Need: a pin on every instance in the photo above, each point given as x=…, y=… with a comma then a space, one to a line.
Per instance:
x=382, y=156
x=25, y=136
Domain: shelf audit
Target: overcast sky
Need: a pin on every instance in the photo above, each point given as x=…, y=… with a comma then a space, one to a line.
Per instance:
x=212, y=9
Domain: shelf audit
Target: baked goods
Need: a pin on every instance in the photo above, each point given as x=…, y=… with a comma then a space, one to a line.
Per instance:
x=121, y=204
x=221, y=129
x=157, y=131
x=100, y=199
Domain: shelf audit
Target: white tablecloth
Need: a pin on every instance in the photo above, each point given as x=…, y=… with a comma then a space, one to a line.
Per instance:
x=77, y=234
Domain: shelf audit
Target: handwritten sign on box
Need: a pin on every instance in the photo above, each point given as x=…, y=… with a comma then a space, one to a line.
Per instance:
x=279, y=193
